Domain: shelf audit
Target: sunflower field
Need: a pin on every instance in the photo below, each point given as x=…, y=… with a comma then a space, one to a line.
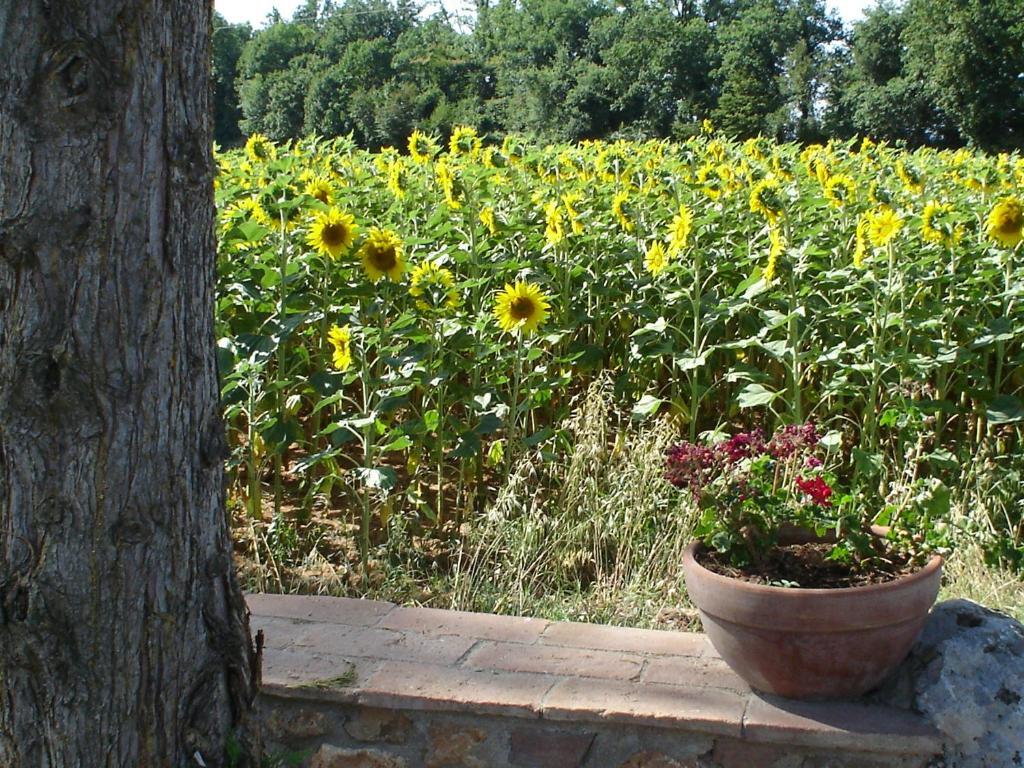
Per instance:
x=396, y=328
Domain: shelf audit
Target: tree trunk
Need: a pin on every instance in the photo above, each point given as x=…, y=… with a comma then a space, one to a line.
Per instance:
x=124, y=639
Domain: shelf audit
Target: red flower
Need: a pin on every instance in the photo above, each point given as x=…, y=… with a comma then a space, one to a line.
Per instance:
x=819, y=491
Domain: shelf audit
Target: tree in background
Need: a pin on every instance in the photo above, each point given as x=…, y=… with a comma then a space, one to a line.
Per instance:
x=658, y=62
x=820, y=43
x=274, y=74
x=878, y=97
x=228, y=41
x=941, y=72
x=969, y=56
x=754, y=46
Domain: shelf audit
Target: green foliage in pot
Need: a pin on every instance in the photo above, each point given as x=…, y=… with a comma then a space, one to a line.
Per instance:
x=756, y=491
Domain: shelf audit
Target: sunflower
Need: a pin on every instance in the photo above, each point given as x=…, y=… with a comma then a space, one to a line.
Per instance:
x=332, y=232
x=381, y=255
x=815, y=159
x=422, y=147
x=822, y=171
x=433, y=287
x=779, y=168
x=396, y=179
x=450, y=184
x=570, y=201
x=713, y=179
x=384, y=158
x=514, y=148
x=554, y=229
x=488, y=219
x=982, y=180
x=613, y=162
x=766, y=198
x=464, y=141
x=883, y=224
x=878, y=194
x=910, y=177
x=656, y=258
x=572, y=164
x=259, y=148
x=938, y=226
x=320, y=188
x=253, y=209
x=547, y=170
x=619, y=209
x=778, y=245
x=1005, y=222
x=680, y=230
x=752, y=149
x=341, y=341
x=521, y=308
x=860, y=249
x=840, y=190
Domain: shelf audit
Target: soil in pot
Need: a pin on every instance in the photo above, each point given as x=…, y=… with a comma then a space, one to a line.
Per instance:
x=808, y=566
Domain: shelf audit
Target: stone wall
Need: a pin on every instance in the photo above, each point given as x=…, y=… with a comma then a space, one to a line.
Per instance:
x=329, y=735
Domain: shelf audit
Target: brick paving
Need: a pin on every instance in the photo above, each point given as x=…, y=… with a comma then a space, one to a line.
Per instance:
x=380, y=655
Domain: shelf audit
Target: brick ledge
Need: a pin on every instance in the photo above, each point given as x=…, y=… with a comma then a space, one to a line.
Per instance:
x=380, y=655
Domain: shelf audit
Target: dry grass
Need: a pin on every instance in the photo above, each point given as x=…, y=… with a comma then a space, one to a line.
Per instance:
x=966, y=575
x=594, y=537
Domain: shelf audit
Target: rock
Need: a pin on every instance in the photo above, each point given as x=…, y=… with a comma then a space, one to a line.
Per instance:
x=966, y=674
x=536, y=748
x=454, y=747
x=287, y=724
x=369, y=724
x=335, y=757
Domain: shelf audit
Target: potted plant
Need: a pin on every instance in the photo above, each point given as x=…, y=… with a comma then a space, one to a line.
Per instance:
x=801, y=593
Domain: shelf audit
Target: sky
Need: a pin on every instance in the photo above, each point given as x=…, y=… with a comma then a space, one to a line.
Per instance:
x=255, y=11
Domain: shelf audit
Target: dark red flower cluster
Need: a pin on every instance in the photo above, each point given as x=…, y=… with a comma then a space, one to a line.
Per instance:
x=694, y=466
x=688, y=465
x=816, y=488
x=793, y=439
x=743, y=445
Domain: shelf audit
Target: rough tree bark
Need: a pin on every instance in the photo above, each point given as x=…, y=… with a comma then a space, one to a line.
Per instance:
x=124, y=639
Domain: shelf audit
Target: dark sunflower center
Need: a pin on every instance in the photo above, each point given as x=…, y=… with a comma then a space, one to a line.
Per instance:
x=522, y=308
x=322, y=195
x=384, y=259
x=1010, y=222
x=334, y=234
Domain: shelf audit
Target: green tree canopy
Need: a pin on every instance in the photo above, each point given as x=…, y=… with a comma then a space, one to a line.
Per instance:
x=941, y=72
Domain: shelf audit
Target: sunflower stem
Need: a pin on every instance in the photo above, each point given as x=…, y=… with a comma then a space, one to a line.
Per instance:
x=517, y=375
x=997, y=380
x=282, y=266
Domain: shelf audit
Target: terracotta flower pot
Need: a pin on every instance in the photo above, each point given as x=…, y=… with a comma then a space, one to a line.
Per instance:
x=811, y=643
